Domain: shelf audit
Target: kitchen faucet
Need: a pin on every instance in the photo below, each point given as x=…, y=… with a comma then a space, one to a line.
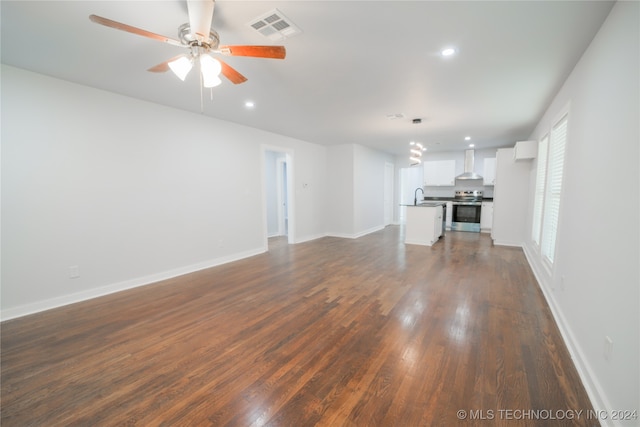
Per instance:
x=415, y=196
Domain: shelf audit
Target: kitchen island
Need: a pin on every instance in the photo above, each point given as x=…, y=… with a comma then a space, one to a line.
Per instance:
x=423, y=224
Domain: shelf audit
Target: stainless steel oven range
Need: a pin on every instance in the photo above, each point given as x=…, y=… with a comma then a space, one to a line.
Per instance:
x=466, y=211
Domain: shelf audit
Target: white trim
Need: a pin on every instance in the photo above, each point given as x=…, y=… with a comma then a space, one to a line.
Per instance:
x=511, y=244
x=310, y=238
x=589, y=380
x=36, y=307
x=356, y=235
x=291, y=226
x=280, y=165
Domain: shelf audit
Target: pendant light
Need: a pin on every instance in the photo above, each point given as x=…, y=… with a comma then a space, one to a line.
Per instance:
x=415, y=153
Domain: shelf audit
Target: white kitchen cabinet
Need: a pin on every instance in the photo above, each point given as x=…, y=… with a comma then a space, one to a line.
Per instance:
x=440, y=173
x=525, y=150
x=489, y=174
x=486, y=216
x=423, y=225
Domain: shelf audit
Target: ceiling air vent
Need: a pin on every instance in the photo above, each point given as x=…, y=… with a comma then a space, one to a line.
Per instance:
x=275, y=26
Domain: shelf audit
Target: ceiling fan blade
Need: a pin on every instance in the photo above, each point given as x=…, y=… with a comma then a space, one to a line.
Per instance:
x=200, y=16
x=163, y=67
x=230, y=73
x=275, y=52
x=133, y=30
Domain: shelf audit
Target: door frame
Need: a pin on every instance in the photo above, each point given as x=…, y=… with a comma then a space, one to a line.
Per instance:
x=290, y=194
x=282, y=190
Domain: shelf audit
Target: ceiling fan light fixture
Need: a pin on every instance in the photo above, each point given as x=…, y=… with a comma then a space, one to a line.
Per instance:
x=181, y=67
x=210, y=69
x=210, y=81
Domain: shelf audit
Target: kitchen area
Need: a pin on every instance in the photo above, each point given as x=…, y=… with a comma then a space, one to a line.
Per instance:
x=463, y=192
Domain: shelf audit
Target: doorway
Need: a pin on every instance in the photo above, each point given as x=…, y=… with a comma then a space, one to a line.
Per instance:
x=281, y=196
x=278, y=199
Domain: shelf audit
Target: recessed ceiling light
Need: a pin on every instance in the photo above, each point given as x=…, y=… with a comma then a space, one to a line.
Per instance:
x=472, y=145
x=449, y=51
x=467, y=138
x=395, y=116
x=249, y=104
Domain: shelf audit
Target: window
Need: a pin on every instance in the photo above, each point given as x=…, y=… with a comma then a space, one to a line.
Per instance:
x=551, y=205
x=538, y=200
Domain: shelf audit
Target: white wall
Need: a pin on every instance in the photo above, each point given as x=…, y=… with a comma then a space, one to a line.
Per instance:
x=594, y=285
x=355, y=202
x=128, y=191
x=309, y=187
x=340, y=197
x=369, y=189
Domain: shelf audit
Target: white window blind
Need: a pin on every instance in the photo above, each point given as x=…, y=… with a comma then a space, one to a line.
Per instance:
x=538, y=201
x=551, y=210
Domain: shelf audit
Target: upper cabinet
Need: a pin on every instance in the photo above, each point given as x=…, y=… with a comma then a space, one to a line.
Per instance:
x=489, y=173
x=525, y=150
x=440, y=173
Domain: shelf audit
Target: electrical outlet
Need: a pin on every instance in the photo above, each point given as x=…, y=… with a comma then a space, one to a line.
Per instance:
x=74, y=272
x=608, y=348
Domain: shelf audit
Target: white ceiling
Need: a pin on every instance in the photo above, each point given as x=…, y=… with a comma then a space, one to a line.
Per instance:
x=354, y=63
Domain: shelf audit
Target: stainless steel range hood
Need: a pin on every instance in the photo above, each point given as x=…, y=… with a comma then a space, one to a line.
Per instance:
x=469, y=158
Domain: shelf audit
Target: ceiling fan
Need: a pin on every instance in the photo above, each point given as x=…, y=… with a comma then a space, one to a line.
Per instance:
x=201, y=40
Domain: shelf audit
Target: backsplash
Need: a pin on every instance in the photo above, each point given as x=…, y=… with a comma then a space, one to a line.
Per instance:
x=460, y=185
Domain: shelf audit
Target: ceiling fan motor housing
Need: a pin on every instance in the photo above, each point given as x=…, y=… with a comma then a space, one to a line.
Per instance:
x=187, y=38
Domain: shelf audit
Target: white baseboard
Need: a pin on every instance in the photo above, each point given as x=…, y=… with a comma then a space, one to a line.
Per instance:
x=309, y=238
x=418, y=242
x=36, y=307
x=589, y=380
x=339, y=235
x=369, y=231
x=356, y=235
x=512, y=244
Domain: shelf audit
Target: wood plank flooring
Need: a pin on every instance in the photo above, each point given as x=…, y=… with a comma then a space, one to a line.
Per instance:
x=333, y=332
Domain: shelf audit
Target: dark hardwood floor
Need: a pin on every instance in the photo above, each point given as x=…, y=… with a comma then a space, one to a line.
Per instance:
x=333, y=332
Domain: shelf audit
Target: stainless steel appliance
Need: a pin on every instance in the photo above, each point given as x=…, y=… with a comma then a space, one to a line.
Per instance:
x=469, y=158
x=467, y=205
